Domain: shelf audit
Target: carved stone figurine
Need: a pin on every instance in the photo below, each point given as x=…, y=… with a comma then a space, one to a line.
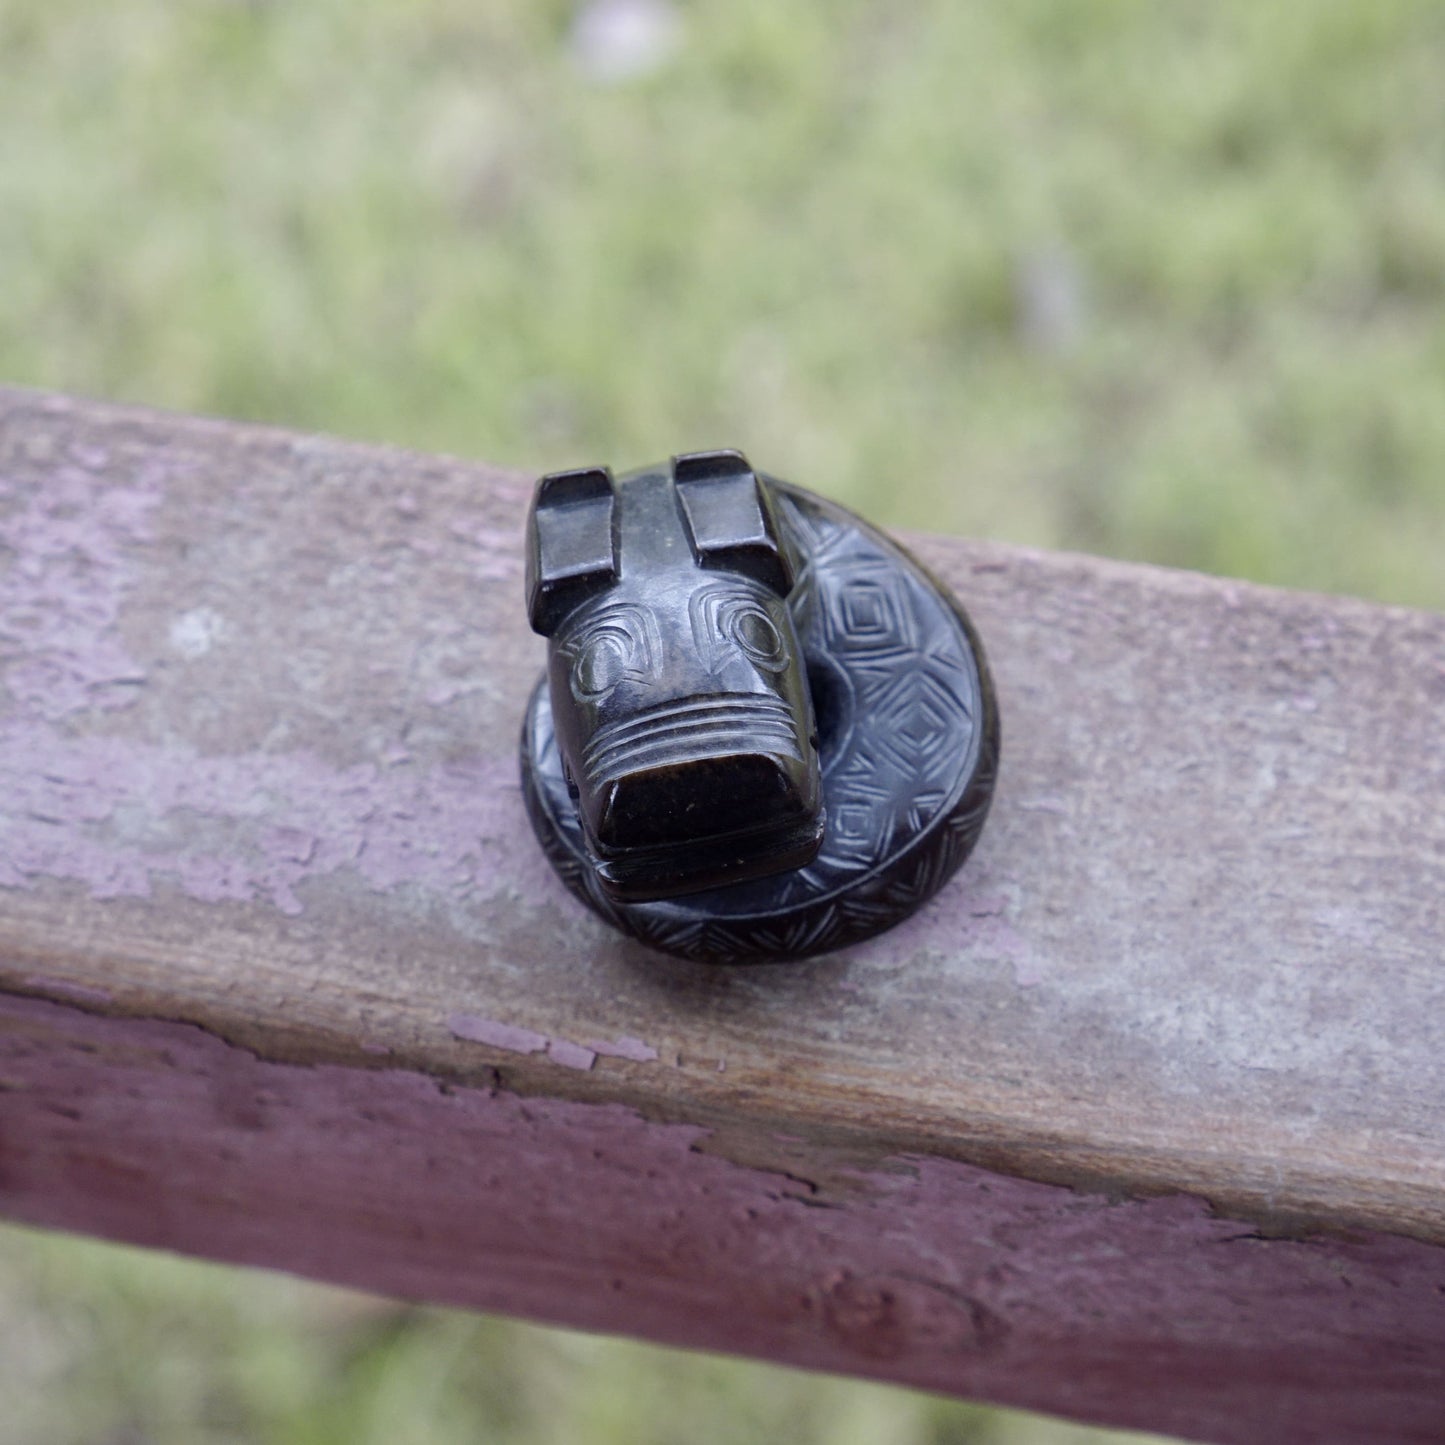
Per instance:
x=764, y=730
x=678, y=694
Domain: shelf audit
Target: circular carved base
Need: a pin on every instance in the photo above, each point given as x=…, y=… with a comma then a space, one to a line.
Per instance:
x=909, y=744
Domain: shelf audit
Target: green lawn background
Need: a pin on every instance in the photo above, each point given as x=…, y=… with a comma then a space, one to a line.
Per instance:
x=1159, y=280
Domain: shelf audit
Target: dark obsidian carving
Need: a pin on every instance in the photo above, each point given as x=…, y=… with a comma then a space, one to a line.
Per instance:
x=765, y=730
x=679, y=701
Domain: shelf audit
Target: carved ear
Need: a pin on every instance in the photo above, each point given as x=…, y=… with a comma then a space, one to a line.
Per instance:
x=730, y=519
x=571, y=543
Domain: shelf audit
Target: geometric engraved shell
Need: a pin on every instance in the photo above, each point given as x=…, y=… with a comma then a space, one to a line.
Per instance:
x=909, y=744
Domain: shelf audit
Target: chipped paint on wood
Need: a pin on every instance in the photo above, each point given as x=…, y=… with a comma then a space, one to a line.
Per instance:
x=499, y=1035
x=635, y=1050
x=69, y=546
x=1150, y=1313
x=259, y=700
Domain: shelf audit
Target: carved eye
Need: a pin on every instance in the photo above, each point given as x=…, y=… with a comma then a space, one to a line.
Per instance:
x=725, y=624
x=602, y=664
x=758, y=636
x=611, y=651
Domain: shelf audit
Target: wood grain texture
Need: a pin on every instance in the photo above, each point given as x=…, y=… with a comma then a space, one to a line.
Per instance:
x=263, y=851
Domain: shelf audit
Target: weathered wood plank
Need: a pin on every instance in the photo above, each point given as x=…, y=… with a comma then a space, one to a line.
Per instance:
x=284, y=979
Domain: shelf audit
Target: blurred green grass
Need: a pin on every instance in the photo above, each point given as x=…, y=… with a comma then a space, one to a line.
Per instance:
x=1154, y=279
x=107, y=1346
x=814, y=233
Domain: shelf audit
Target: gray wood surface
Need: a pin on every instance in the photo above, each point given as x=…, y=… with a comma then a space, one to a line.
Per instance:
x=259, y=699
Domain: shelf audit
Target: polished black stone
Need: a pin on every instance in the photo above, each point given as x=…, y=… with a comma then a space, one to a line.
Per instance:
x=765, y=731
x=678, y=694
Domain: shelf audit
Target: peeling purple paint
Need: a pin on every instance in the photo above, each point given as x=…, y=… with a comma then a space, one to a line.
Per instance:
x=118, y=815
x=60, y=596
x=978, y=921
x=625, y=1047
x=1151, y=1313
x=449, y=692
x=570, y=1055
x=478, y=1030
x=92, y=458
x=499, y=552
x=516, y=1040
x=1043, y=805
x=104, y=811
x=62, y=988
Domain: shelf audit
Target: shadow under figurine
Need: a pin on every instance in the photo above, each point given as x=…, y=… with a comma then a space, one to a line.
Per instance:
x=765, y=731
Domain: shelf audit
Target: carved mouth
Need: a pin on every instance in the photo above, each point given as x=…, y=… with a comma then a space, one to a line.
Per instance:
x=692, y=792
x=693, y=730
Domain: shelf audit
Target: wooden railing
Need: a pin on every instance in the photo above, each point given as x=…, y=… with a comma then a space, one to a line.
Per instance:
x=1142, y=1120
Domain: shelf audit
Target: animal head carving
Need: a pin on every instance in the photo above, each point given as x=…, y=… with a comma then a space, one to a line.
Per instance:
x=679, y=696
